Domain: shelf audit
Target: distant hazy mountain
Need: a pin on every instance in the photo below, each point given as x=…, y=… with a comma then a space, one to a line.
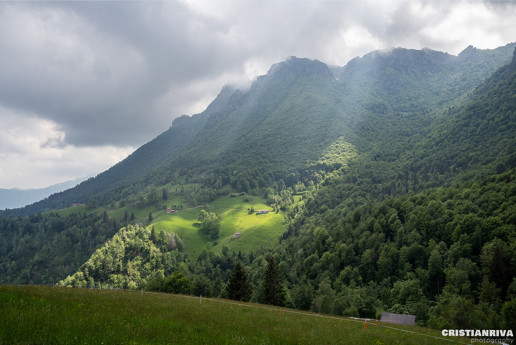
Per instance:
x=15, y=197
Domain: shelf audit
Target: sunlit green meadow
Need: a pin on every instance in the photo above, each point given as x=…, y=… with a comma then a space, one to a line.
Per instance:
x=256, y=231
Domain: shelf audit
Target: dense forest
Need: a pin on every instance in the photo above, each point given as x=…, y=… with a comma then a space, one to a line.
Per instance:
x=396, y=175
x=41, y=249
x=441, y=255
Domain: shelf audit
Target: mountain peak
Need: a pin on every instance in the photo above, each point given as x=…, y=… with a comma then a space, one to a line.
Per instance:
x=300, y=67
x=227, y=100
x=401, y=60
x=470, y=50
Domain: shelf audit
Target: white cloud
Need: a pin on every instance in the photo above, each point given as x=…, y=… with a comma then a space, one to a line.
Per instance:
x=353, y=41
x=448, y=26
x=470, y=23
x=34, y=153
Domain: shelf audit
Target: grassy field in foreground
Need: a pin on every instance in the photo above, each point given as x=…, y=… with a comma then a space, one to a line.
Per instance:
x=49, y=315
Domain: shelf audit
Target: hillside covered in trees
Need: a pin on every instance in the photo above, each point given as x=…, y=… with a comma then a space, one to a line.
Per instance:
x=395, y=175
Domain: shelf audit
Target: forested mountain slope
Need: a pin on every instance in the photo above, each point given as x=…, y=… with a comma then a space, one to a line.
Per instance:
x=439, y=254
x=469, y=142
x=409, y=75
x=290, y=117
x=477, y=136
x=43, y=249
x=472, y=139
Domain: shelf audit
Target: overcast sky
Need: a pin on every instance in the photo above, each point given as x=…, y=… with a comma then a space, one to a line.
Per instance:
x=83, y=84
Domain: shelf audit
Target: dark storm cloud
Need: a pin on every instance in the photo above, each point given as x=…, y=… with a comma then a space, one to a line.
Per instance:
x=98, y=69
x=112, y=72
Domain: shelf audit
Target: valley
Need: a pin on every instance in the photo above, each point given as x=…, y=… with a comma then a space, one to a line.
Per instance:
x=390, y=186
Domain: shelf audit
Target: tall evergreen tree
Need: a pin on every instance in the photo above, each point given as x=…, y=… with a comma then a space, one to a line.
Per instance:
x=105, y=218
x=153, y=236
x=172, y=244
x=238, y=287
x=273, y=290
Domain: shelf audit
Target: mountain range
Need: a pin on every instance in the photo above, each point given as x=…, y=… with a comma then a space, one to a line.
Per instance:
x=298, y=110
x=393, y=176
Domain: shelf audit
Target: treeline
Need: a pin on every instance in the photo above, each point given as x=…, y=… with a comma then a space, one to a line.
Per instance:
x=270, y=289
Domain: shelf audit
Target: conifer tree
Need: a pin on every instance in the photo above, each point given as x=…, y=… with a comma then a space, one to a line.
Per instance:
x=238, y=287
x=153, y=236
x=172, y=244
x=273, y=290
x=105, y=217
